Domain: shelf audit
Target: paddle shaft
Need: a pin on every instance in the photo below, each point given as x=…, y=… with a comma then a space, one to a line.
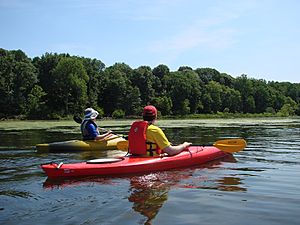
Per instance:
x=226, y=145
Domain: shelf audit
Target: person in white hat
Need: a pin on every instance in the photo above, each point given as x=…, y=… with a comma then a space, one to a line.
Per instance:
x=89, y=128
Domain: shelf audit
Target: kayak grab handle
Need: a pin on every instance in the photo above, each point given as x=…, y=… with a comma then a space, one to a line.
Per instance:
x=59, y=165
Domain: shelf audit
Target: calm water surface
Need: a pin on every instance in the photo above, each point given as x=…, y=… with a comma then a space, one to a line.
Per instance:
x=259, y=185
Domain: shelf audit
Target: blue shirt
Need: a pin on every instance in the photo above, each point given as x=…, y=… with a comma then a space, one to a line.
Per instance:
x=89, y=130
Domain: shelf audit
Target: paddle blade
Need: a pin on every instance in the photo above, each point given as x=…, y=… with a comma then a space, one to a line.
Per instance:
x=122, y=145
x=231, y=145
x=77, y=119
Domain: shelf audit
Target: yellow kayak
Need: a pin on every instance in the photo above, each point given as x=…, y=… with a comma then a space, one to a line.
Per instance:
x=79, y=145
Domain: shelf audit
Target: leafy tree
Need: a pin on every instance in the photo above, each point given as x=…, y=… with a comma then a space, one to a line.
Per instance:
x=94, y=69
x=143, y=79
x=114, y=89
x=132, y=101
x=208, y=74
x=207, y=103
x=297, y=111
x=182, y=86
x=69, y=86
x=185, y=107
x=289, y=108
x=249, y=104
x=215, y=91
x=160, y=71
x=231, y=99
x=45, y=66
x=245, y=87
x=35, y=103
x=293, y=91
x=17, y=78
x=261, y=95
x=184, y=68
x=226, y=80
x=118, y=114
x=163, y=104
x=217, y=98
x=61, y=84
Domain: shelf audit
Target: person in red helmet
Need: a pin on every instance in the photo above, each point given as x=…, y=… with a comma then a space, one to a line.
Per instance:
x=146, y=138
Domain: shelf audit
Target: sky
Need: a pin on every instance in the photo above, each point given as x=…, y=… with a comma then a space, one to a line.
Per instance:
x=258, y=38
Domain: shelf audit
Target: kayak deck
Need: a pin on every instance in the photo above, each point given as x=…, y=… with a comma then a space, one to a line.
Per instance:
x=194, y=155
x=79, y=145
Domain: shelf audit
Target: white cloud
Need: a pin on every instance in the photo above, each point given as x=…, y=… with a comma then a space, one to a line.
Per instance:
x=212, y=31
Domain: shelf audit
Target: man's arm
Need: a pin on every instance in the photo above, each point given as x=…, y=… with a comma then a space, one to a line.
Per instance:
x=173, y=150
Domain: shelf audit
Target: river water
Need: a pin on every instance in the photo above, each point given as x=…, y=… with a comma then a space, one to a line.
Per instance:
x=259, y=185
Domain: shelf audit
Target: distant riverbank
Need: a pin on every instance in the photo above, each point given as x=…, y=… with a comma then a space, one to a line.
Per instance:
x=218, y=115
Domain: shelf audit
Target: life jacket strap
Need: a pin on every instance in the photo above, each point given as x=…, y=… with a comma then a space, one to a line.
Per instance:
x=150, y=150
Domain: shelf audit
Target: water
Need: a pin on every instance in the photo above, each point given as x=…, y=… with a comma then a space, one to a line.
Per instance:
x=259, y=185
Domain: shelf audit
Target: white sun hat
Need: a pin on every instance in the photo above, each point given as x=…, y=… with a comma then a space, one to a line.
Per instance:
x=90, y=114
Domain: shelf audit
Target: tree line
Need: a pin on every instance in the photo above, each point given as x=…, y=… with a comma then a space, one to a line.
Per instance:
x=55, y=85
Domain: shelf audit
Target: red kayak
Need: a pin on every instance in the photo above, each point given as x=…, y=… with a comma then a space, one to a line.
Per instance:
x=193, y=155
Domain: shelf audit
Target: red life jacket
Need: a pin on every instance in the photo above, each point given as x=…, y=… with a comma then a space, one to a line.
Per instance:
x=137, y=139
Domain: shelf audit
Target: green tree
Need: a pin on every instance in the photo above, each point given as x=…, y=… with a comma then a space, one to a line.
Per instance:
x=218, y=97
x=185, y=107
x=17, y=77
x=163, y=104
x=245, y=87
x=231, y=99
x=118, y=114
x=208, y=74
x=94, y=69
x=226, y=79
x=261, y=95
x=143, y=79
x=45, y=66
x=289, y=108
x=69, y=86
x=160, y=71
x=184, y=68
x=279, y=92
x=207, y=102
x=249, y=104
x=35, y=103
x=132, y=101
x=214, y=90
x=115, y=85
x=181, y=86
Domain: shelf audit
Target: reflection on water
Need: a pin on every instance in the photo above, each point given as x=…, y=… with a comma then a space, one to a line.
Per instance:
x=231, y=184
x=148, y=192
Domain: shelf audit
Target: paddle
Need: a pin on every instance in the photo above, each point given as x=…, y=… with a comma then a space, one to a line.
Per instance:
x=77, y=119
x=226, y=145
x=231, y=145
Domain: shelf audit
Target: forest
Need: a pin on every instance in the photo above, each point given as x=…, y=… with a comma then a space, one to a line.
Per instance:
x=55, y=86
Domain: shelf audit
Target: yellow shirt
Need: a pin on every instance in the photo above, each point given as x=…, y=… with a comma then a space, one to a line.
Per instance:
x=155, y=135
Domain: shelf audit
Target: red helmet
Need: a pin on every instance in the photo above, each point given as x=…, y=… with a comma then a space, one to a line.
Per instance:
x=149, y=110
